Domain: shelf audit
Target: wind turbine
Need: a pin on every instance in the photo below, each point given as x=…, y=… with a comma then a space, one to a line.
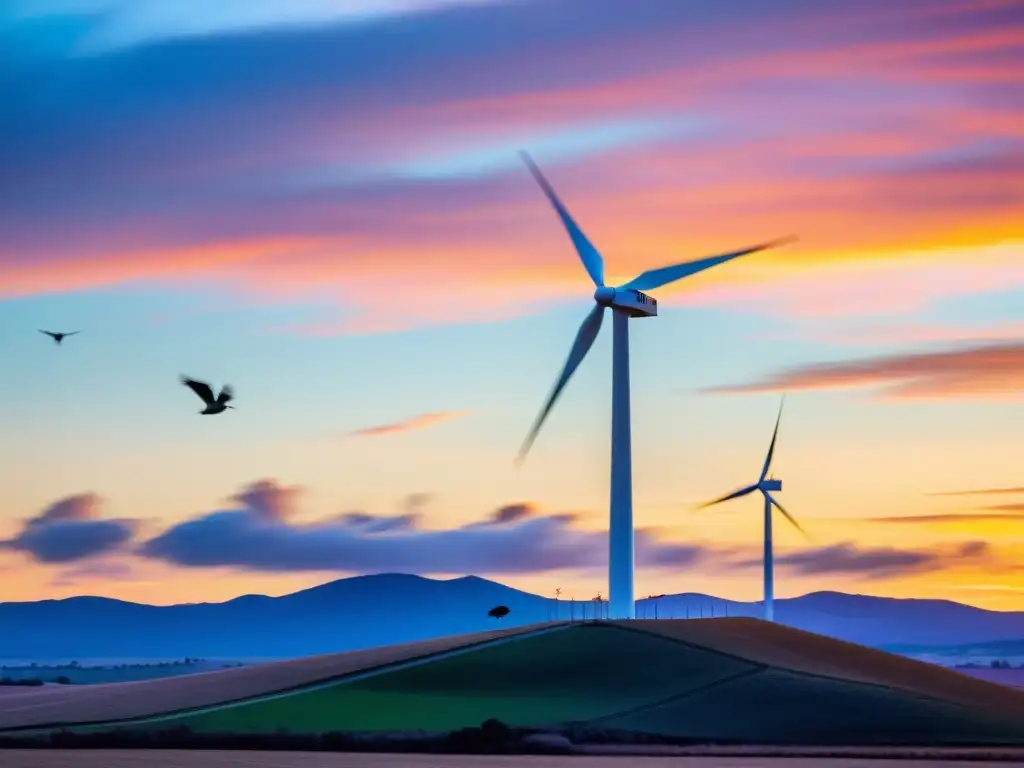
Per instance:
x=765, y=485
x=626, y=301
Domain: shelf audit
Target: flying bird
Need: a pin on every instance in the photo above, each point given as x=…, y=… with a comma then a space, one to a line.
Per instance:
x=213, y=405
x=58, y=337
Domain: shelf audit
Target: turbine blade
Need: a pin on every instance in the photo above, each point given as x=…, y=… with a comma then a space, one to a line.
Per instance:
x=592, y=260
x=655, y=278
x=786, y=514
x=584, y=341
x=733, y=495
x=771, y=446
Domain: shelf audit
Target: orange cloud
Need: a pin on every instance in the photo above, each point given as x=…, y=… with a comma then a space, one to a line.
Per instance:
x=910, y=59
x=120, y=265
x=981, y=492
x=880, y=288
x=957, y=517
x=868, y=169
x=505, y=257
x=990, y=372
x=1018, y=507
x=422, y=421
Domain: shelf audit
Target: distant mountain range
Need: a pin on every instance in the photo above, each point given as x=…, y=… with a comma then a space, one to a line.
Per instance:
x=382, y=609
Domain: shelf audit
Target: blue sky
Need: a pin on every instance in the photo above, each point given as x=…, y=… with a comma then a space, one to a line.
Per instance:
x=265, y=196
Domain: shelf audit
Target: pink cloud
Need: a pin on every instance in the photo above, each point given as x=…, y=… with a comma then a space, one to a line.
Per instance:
x=991, y=372
x=420, y=421
x=219, y=193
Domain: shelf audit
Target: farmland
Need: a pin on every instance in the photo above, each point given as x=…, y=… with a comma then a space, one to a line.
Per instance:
x=111, y=672
x=119, y=701
x=213, y=759
x=1014, y=678
x=736, y=681
x=781, y=647
x=537, y=680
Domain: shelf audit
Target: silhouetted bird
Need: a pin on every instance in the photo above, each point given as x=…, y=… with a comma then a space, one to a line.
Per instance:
x=498, y=612
x=213, y=405
x=58, y=337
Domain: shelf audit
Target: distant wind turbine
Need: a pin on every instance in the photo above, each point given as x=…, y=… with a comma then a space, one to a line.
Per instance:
x=765, y=484
x=558, y=594
x=625, y=301
x=213, y=405
x=58, y=337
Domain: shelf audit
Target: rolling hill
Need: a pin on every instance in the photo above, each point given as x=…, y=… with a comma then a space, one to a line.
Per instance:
x=368, y=611
x=724, y=680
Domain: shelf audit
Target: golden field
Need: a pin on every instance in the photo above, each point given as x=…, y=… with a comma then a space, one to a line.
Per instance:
x=113, y=701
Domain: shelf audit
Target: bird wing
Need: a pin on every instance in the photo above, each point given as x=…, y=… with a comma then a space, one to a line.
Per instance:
x=201, y=389
x=71, y=333
x=226, y=394
x=51, y=334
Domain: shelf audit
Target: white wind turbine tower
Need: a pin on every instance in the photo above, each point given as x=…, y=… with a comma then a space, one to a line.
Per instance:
x=765, y=484
x=625, y=301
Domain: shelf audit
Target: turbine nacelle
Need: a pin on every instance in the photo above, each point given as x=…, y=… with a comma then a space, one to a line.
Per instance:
x=634, y=303
x=629, y=300
x=770, y=485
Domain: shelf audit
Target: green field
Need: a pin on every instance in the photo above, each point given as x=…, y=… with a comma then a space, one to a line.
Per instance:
x=737, y=681
x=775, y=706
x=572, y=675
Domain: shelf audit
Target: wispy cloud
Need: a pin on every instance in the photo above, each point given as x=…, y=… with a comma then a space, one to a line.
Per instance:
x=955, y=517
x=981, y=492
x=421, y=421
x=882, y=562
x=1018, y=507
x=993, y=588
x=292, y=154
x=986, y=372
x=113, y=570
x=119, y=25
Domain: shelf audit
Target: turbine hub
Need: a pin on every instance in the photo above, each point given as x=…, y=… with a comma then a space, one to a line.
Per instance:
x=604, y=295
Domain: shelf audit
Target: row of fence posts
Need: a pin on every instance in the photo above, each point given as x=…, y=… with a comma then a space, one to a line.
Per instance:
x=597, y=608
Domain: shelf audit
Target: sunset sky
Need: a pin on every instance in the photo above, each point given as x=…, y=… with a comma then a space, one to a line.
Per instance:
x=320, y=203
